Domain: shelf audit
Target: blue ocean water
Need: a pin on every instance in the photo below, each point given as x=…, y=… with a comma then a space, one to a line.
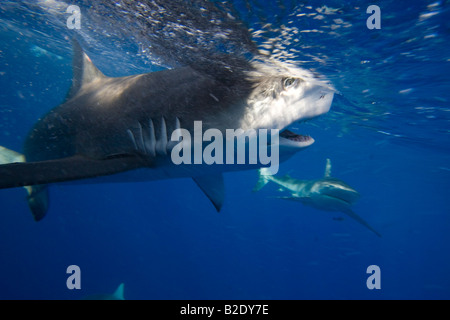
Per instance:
x=387, y=135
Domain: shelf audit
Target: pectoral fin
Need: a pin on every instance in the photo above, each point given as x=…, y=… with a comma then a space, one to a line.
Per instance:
x=60, y=170
x=303, y=200
x=213, y=187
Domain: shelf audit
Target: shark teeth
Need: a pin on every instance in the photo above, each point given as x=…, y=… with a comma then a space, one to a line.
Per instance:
x=294, y=137
x=291, y=139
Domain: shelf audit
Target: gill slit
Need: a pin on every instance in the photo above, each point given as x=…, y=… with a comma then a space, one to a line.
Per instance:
x=145, y=140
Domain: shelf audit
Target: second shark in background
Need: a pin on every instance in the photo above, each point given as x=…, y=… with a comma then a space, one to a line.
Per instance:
x=328, y=193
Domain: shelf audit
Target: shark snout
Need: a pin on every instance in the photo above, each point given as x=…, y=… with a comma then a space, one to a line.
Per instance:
x=315, y=100
x=346, y=194
x=336, y=189
x=321, y=98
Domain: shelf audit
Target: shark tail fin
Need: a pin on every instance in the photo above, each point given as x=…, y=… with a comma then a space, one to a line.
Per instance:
x=264, y=178
x=38, y=199
x=10, y=156
x=119, y=293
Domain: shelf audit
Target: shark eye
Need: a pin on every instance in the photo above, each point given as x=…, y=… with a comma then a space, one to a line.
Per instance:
x=289, y=82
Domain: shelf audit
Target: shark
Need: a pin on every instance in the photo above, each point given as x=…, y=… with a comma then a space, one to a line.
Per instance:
x=327, y=193
x=118, y=129
x=117, y=295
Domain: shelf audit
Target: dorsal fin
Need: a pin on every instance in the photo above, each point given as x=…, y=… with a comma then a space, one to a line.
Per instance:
x=118, y=294
x=84, y=70
x=328, y=169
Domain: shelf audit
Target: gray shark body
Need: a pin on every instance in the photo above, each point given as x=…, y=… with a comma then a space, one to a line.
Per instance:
x=120, y=128
x=328, y=193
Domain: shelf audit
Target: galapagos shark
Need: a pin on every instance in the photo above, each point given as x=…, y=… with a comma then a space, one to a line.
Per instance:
x=328, y=193
x=117, y=295
x=118, y=128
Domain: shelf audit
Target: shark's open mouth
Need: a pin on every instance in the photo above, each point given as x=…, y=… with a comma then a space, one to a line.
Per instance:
x=294, y=137
x=295, y=140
